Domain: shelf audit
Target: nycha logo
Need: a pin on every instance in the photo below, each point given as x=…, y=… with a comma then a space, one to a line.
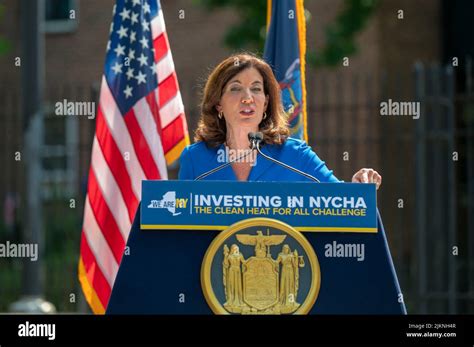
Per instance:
x=170, y=202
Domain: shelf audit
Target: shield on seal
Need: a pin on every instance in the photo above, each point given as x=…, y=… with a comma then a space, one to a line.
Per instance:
x=260, y=283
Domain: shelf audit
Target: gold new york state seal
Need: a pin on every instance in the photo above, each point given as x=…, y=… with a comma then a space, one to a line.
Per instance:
x=239, y=274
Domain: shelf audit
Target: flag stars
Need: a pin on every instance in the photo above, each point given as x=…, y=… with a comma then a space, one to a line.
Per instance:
x=117, y=68
x=133, y=36
x=125, y=14
x=120, y=50
x=153, y=68
x=145, y=25
x=131, y=54
x=122, y=32
x=131, y=63
x=141, y=78
x=143, y=60
x=144, y=42
x=128, y=92
x=146, y=8
x=134, y=18
x=130, y=73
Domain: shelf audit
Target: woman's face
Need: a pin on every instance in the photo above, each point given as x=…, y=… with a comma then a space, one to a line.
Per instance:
x=243, y=99
x=234, y=249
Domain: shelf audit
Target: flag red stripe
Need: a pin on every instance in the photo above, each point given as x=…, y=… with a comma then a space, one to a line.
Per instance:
x=105, y=219
x=94, y=274
x=161, y=46
x=155, y=111
x=167, y=89
x=116, y=163
x=141, y=146
x=173, y=133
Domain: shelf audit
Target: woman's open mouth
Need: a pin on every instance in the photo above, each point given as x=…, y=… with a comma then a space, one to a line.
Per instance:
x=247, y=112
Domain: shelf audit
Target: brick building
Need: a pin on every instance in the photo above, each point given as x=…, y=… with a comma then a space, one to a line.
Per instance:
x=75, y=52
x=342, y=101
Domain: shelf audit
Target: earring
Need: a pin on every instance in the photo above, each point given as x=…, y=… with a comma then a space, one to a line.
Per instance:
x=264, y=115
x=220, y=115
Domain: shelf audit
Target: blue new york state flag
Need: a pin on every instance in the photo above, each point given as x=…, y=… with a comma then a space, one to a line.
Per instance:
x=285, y=50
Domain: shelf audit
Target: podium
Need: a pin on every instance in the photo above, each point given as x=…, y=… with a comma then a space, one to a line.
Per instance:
x=203, y=247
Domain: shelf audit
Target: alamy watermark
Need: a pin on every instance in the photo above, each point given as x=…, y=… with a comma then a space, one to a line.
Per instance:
x=75, y=108
x=19, y=250
x=238, y=155
x=345, y=250
x=400, y=108
x=28, y=329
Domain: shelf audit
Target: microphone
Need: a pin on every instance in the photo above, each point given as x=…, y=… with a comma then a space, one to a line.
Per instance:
x=253, y=138
x=257, y=138
x=220, y=167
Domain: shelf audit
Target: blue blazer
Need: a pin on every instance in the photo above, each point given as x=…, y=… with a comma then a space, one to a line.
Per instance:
x=199, y=158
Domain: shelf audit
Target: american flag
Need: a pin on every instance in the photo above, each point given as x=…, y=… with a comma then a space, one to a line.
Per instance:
x=140, y=128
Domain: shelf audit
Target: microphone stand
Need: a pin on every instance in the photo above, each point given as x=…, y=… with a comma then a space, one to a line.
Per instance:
x=258, y=138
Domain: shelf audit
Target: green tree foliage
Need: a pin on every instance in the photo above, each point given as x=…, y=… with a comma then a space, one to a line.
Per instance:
x=340, y=36
x=4, y=45
x=249, y=32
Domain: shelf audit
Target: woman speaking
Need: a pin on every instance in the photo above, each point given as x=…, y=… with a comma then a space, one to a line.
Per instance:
x=242, y=96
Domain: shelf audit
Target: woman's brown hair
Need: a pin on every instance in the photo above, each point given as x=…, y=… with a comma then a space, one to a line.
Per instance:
x=212, y=130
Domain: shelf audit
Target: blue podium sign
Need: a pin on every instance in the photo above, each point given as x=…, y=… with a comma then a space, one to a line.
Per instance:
x=256, y=248
x=215, y=205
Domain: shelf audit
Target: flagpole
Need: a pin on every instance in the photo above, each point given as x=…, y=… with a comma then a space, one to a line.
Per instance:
x=32, y=80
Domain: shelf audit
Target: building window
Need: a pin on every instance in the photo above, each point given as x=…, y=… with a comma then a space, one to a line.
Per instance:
x=60, y=155
x=61, y=16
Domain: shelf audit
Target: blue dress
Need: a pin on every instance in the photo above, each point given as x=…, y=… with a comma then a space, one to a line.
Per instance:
x=199, y=158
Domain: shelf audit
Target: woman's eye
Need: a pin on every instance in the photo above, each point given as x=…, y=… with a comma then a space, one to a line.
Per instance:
x=235, y=89
x=257, y=89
